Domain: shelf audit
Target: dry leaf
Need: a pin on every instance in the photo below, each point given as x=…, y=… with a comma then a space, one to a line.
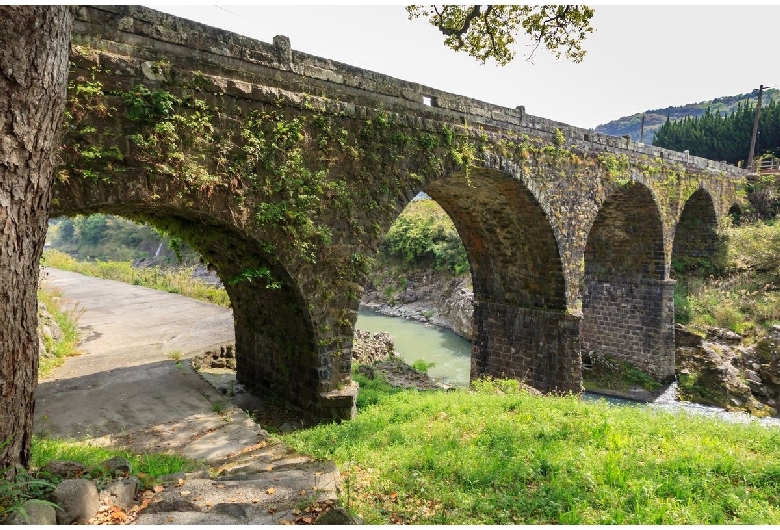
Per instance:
x=185, y=492
x=220, y=486
x=303, y=492
x=158, y=489
x=180, y=482
x=306, y=520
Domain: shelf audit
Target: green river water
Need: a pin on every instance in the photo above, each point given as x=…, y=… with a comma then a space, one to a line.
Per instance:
x=452, y=357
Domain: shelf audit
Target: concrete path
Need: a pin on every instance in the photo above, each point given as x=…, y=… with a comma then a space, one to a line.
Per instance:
x=128, y=388
x=126, y=377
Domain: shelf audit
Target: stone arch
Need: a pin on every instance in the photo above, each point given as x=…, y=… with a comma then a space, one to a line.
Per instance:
x=735, y=214
x=522, y=329
x=697, y=244
x=627, y=303
x=276, y=349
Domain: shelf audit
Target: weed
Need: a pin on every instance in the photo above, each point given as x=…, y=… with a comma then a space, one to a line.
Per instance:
x=421, y=366
x=67, y=320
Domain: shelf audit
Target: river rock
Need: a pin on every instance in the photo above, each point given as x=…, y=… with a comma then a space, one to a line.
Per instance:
x=368, y=348
x=78, y=501
x=121, y=493
x=35, y=512
x=428, y=296
x=64, y=468
x=116, y=466
x=723, y=374
x=725, y=336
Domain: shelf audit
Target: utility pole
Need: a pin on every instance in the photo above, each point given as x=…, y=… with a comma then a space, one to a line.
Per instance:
x=755, y=130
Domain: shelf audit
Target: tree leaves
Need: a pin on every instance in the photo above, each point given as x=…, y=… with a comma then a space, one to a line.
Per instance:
x=488, y=32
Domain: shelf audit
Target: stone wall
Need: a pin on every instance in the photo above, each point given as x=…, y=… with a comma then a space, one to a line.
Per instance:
x=540, y=348
x=633, y=322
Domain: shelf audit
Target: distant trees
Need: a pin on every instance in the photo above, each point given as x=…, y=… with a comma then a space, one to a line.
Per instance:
x=723, y=137
x=424, y=236
x=111, y=238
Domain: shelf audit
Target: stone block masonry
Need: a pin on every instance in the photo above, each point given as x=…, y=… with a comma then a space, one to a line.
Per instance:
x=284, y=170
x=540, y=348
x=633, y=322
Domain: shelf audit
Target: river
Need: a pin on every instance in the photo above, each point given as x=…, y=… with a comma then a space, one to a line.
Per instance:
x=451, y=355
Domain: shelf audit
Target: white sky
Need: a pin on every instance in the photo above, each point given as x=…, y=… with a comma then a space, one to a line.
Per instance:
x=639, y=57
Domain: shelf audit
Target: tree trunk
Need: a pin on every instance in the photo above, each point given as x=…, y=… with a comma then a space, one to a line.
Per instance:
x=34, y=52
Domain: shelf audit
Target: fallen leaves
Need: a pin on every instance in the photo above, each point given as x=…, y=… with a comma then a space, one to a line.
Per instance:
x=118, y=515
x=309, y=514
x=270, y=491
x=113, y=515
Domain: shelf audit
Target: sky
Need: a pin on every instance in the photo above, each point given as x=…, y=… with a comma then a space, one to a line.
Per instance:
x=639, y=58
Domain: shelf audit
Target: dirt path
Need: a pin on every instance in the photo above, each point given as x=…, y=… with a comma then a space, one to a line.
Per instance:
x=127, y=388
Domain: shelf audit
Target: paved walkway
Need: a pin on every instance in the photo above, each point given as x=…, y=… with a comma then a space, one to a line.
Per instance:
x=127, y=388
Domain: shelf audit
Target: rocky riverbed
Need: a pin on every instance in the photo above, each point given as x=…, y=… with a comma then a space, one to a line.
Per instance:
x=429, y=297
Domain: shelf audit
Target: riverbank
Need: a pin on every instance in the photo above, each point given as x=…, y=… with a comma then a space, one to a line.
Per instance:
x=427, y=296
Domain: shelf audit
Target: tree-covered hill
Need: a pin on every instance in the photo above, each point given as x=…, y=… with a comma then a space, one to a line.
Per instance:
x=631, y=125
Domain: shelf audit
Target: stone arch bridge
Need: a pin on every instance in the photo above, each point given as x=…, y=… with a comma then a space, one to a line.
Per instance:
x=285, y=170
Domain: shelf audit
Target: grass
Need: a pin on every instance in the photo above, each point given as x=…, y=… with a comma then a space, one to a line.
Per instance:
x=36, y=484
x=178, y=281
x=746, y=297
x=490, y=457
x=67, y=320
x=150, y=466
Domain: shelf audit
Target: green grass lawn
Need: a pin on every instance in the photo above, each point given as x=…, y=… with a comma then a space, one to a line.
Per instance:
x=504, y=457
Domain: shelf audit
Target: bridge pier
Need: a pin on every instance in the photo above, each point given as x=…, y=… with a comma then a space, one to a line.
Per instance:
x=541, y=348
x=633, y=321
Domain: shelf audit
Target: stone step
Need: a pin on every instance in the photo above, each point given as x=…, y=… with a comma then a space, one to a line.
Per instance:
x=251, y=468
x=267, y=450
x=252, y=498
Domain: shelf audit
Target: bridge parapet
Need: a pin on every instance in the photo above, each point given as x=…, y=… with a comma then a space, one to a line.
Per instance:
x=316, y=75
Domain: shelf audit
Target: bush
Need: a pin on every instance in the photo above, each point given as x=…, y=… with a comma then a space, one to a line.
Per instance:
x=423, y=235
x=754, y=247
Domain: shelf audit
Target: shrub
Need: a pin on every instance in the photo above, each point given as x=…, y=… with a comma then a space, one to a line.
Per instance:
x=423, y=235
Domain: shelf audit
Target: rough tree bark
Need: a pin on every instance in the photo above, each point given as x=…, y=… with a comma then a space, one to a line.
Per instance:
x=34, y=51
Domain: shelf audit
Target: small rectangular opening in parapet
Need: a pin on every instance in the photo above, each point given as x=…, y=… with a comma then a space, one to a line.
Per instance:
x=430, y=101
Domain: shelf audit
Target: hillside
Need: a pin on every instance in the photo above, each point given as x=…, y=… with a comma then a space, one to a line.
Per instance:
x=630, y=125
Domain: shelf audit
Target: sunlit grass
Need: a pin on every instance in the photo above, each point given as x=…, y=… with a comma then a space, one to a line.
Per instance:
x=484, y=457
x=178, y=281
x=67, y=320
x=149, y=465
